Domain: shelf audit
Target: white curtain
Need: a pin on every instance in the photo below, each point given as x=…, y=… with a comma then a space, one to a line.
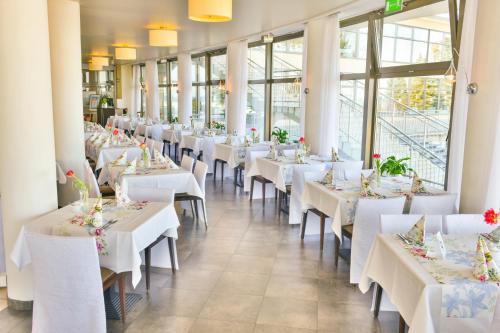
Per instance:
x=135, y=104
x=237, y=85
x=459, y=122
x=303, y=84
x=185, y=88
x=152, y=90
x=323, y=82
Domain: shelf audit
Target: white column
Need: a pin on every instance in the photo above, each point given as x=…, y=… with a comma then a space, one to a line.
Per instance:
x=27, y=170
x=481, y=175
x=237, y=85
x=152, y=90
x=66, y=67
x=185, y=88
x=127, y=86
x=323, y=82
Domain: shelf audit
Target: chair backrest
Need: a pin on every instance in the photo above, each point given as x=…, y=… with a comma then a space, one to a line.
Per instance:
x=288, y=153
x=151, y=194
x=140, y=138
x=366, y=226
x=187, y=163
x=443, y=204
x=91, y=181
x=348, y=170
x=150, y=143
x=68, y=289
x=200, y=173
x=393, y=224
x=466, y=224
x=158, y=145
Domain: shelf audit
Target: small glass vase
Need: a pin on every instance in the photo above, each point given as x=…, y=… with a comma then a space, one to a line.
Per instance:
x=84, y=200
x=377, y=177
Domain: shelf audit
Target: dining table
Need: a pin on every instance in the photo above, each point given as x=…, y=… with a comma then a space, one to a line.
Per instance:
x=105, y=155
x=128, y=231
x=434, y=292
x=202, y=144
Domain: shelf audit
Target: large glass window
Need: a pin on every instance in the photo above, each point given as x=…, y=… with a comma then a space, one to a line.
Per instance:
x=218, y=70
x=174, y=105
x=408, y=107
x=256, y=93
x=198, y=70
x=163, y=89
x=285, y=92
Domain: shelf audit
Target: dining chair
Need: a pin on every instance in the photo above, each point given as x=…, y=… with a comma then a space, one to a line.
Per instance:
x=466, y=224
x=141, y=138
x=393, y=224
x=364, y=229
x=442, y=204
x=200, y=173
x=167, y=196
x=69, y=284
x=187, y=163
x=95, y=190
x=253, y=155
x=347, y=170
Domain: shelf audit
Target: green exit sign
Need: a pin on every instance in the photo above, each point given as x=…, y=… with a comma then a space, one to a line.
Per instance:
x=392, y=6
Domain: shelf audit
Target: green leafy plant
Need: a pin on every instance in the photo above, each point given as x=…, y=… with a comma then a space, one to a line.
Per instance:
x=175, y=120
x=217, y=125
x=281, y=135
x=394, y=167
x=103, y=100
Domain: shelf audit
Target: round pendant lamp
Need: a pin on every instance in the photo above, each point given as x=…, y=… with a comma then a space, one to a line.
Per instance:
x=210, y=10
x=103, y=61
x=125, y=53
x=163, y=38
x=95, y=67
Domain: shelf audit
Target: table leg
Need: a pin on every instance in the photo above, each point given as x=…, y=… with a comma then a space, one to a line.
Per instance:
x=378, y=298
x=170, y=241
x=121, y=290
x=147, y=256
x=402, y=325
x=304, y=221
x=322, y=231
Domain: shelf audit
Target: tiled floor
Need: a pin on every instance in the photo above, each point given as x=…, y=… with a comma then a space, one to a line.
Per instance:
x=249, y=273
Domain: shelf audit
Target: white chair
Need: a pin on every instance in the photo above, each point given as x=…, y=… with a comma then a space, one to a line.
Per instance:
x=155, y=195
x=158, y=145
x=251, y=157
x=443, y=204
x=140, y=138
x=150, y=143
x=347, y=170
x=200, y=173
x=68, y=292
x=187, y=163
x=366, y=226
x=393, y=224
x=466, y=224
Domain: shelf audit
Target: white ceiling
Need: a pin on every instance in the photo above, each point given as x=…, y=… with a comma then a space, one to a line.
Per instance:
x=108, y=22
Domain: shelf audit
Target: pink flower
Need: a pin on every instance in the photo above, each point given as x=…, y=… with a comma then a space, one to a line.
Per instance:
x=99, y=231
x=302, y=140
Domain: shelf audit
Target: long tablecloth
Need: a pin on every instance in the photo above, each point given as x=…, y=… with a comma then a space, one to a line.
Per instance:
x=131, y=234
x=205, y=144
x=427, y=305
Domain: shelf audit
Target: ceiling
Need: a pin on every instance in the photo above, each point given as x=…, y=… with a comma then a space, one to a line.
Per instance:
x=110, y=22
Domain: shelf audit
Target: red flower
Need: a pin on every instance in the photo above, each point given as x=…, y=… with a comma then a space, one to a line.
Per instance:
x=377, y=156
x=253, y=129
x=70, y=173
x=491, y=217
x=115, y=132
x=302, y=140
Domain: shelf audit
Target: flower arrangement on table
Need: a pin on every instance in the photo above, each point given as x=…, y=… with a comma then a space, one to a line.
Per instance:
x=145, y=155
x=393, y=166
x=254, y=134
x=218, y=125
x=116, y=133
x=93, y=223
x=80, y=186
x=491, y=217
x=280, y=135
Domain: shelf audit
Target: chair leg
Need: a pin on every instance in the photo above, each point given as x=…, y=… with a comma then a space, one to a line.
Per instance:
x=215, y=170
x=280, y=199
x=204, y=213
x=378, y=298
x=337, y=250
x=147, y=256
x=263, y=194
x=196, y=210
x=304, y=221
x=192, y=209
x=252, y=182
x=175, y=151
x=222, y=173
x=121, y=290
x=235, y=183
x=171, y=249
x=322, y=232
x=402, y=325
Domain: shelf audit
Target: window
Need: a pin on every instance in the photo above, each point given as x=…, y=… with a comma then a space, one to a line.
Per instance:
x=218, y=69
x=174, y=104
x=143, y=90
x=198, y=69
x=256, y=93
x=163, y=89
x=393, y=101
x=285, y=92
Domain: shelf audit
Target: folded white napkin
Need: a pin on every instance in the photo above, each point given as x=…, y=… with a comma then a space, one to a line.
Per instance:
x=366, y=189
x=335, y=156
x=417, y=232
x=122, y=198
x=159, y=158
x=417, y=185
x=131, y=167
x=329, y=178
x=106, y=143
x=485, y=267
x=272, y=153
x=94, y=217
x=121, y=160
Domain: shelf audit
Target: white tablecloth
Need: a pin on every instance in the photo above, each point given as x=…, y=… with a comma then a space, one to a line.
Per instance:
x=156, y=131
x=125, y=239
x=205, y=144
x=175, y=135
x=412, y=289
x=107, y=155
x=279, y=172
x=180, y=180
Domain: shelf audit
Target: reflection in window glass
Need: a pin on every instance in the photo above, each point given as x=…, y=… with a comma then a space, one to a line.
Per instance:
x=353, y=44
x=217, y=104
x=173, y=71
x=162, y=73
x=257, y=62
x=174, y=100
x=286, y=108
x=163, y=103
x=256, y=108
x=351, y=119
x=419, y=36
x=218, y=67
x=287, y=58
x=412, y=120
x=198, y=105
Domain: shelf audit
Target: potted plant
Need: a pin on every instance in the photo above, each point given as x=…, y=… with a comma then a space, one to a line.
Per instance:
x=280, y=135
x=395, y=167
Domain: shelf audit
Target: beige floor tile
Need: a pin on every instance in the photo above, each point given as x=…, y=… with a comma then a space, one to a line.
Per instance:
x=219, y=326
x=176, y=302
x=242, y=308
x=169, y=324
x=280, y=329
x=3, y=293
x=295, y=267
x=206, y=261
x=293, y=287
x=250, y=264
x=193, y=279
x=288, y=312
x=258, y=249
x=233, y=283
x=3, y=304
x=338, y=315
